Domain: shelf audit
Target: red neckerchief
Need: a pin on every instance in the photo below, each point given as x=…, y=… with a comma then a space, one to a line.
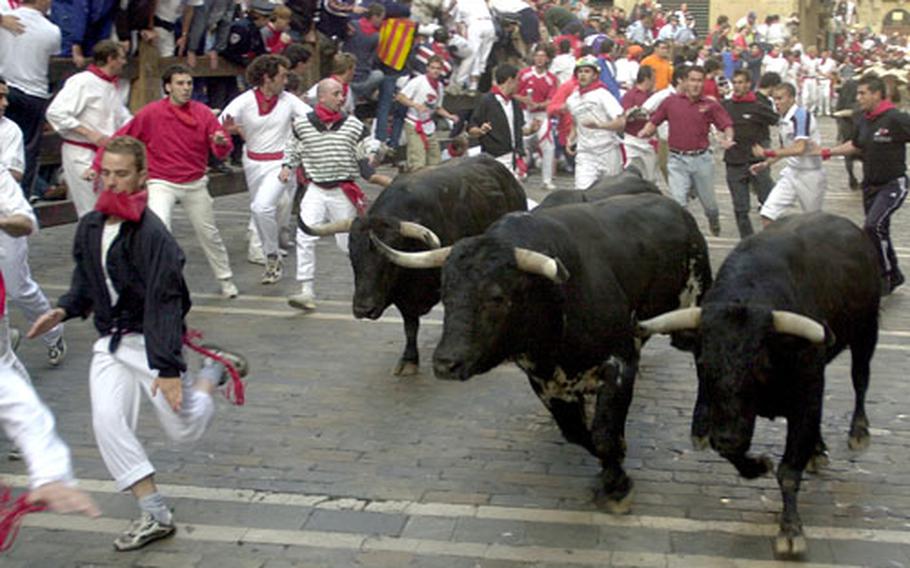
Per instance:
x=367, y=27
x=127, y=206
x=327, y=116
x=183, y=113
x=99, y=72
x=498, y=92
x=265, y=104
x=592, y=86
x=747, y=98
x=882, y=107
x=434, y=83
x=344, y=86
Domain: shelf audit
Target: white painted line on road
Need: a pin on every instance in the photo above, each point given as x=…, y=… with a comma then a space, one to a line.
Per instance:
x=422, y=547
x=520, y=514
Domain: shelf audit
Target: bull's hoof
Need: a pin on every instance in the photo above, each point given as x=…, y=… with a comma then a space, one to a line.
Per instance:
x=788, y=545
x=614, y=506
x=700, y=443
x=817, y=462
x=859, y=442
x=406, y=369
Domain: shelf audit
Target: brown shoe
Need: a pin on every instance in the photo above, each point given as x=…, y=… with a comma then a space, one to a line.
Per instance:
x=55, y=193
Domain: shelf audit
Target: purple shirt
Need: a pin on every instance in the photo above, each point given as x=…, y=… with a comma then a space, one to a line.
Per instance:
x=690, y=121
x=634, y=97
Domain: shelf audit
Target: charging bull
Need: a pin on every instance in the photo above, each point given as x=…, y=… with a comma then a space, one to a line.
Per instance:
x=556, y=291
x=629, y=182
x=424, y=210
x=784, y=304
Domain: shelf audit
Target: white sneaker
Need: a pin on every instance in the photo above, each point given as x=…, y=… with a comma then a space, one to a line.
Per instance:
x=549, y=186
x=305, y=300
x=56, y=353
x=255, y=256
x=228, y=289
x=273, y=271
x=142, y=531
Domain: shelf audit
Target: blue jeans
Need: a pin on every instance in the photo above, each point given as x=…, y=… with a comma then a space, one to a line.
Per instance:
x=384, y=106
x=687, y=172
x=369, y=84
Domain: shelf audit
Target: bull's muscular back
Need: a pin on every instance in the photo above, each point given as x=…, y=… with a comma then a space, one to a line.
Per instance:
x=627, y=183
x=456, y=199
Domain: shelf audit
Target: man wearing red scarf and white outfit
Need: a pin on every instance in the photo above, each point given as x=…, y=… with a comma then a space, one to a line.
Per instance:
x=328, y=144
x=422, y=95
x=598, y=120
x=263, y=116
x=86, y=112
x=536, y=87
x=179, y=133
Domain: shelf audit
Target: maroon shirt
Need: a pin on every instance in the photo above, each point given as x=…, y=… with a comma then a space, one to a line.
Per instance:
x=690, y=121
x=634, y=97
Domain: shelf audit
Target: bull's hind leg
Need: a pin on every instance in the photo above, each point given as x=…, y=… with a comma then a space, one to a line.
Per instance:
x=861, y=350
x=410, y=359
x=608, y=432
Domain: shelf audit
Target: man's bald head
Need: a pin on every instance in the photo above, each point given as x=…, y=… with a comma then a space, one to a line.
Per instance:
x=330, y=93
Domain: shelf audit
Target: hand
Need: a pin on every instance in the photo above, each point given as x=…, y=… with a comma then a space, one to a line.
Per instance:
x=46, y=322
x=726, y=143
x=485, y=128
x=150, y=36
x=758, y=151
x=213, y=60
x=755, y=168
x=180, y=44
x=89, y=174
x=219, y=138
x=421, y=108
x=171, y=388
x=61, y=498
x=535, y=125
x=191, y=59
x=591, y=123
x=359, y=10
x=571, y=150
x=99, y=139
x=285, y=174
x=230, y=126
x=78, y=60
x=12, y=24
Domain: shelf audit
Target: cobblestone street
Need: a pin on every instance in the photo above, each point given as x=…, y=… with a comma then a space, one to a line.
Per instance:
x=335, y=462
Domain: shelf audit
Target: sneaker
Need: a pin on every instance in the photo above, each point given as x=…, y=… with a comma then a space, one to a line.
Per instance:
x=236, y=359
x=714, y=225
x=14, y=338
x=303, y=301
x=142, y=531
x=549, y=186
x=56, y=353
x=256, y=257
x=273, y=270
x=228, y=289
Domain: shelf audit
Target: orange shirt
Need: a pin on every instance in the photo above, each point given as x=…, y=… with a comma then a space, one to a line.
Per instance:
x=663, y=71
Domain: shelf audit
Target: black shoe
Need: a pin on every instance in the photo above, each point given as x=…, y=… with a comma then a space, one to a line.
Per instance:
x=896, y=280
x=714, y=225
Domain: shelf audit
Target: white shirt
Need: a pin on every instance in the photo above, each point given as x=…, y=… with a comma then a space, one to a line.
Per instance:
x=108, y=235
x=419, y=90
x=170, y=10
x=563, y=66
x=24, y=57
x=799, y=124
x=12, y=200
x=826, y=67
x=653, y=102
x=777, y=64
x=598, y=105
x=626, y=72
x=777, y=34
x=510, y=116
x=509, y=6
x=467, y=11
x=809, y=66
x=12, y=149
x=90, y=101
x=268, y=133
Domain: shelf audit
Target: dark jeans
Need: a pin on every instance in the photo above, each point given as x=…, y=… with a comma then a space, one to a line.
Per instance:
x=529, y=26
x=879, y=203
x=384, y=107
x=739, y=182
x=28, y=112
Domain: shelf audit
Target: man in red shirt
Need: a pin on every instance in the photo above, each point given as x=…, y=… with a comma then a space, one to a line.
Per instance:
x=536, y=87
x=690, y=115
x=179, y=133
x=640, y=152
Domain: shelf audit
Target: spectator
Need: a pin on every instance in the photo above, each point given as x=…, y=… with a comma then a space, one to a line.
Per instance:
x=529, y=23
x=334, y=17
x=362, y=44
x=24, y=63
x=422, y=96
x=167, y=13
x=659, y=61
x=475, y=23
x=640, y=152
x=83, y=23
x=298, y=57
x=245, y=41
x=558, y=18
x=276, y=34
x=752, y=62
x=627, y=68
x=343, y=72
x=436, y=44
x=563, y=64
x=640, y=31
x=775, y=62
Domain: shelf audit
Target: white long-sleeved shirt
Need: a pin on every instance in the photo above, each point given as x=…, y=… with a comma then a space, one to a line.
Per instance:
x=87, y=100
x=268, y=133
x=12, y=149
x=24, y=57
x=598, y=105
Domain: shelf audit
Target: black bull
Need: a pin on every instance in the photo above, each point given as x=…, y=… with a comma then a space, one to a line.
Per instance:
x=784, y=304
x=629, y=182
x=438, y=206
x=556, y=290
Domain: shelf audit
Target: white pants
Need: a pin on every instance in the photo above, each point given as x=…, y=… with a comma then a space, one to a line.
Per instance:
x=824, y=97
x=318, y=206
x=642, y=156
x=21, y=290
x=806, y=186
x=76, y=160
x=27, y=422
x=270, y=200
x=197, y=203
x=810, y=94
x=591, y=166
x=167, y=42
x=545, y=143
x=116, y=382
x=481, y=36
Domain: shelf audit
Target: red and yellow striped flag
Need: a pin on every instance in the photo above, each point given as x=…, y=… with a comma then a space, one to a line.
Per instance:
x=396, y=36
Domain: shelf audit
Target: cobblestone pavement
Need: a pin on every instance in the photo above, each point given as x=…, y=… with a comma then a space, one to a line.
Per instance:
x=335, y=462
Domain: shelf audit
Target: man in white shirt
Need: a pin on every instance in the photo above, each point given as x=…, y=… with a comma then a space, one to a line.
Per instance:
x=166, y=14
x=775, y=62
x=809, y=70
x=597, y=120
x=86, y=112
x=627, y=68
x=476, y=24
x=24, y=64
x=564, y=63
x=12, y=148
x=422, y=95
x=263, y=116
x=827, y=73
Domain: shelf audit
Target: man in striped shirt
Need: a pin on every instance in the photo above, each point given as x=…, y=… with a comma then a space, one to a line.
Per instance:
x=328, y=143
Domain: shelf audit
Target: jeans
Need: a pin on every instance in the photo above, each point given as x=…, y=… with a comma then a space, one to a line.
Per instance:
x=384, y=106
x=369, y=84
x=28, y=112
x=739, y=181
x=698, y=171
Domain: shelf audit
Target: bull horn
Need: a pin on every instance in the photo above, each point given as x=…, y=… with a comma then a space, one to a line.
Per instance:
x=326, y=229
x=677, y=320
x=425, y=259
x=417, y=231
x=798, y=325
x=537, y=263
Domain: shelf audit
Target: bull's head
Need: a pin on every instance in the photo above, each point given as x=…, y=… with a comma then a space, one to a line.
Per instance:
x=735, y=350
x=374, y=275
x=495, y=297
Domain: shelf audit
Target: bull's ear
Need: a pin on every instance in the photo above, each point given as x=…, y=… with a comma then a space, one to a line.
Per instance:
x=562, y=273
x=830, y=338
x=686, y=340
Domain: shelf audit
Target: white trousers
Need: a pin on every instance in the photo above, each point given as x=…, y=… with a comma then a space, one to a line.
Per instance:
x=270, y=201
x=824, y=97
x=117, y=381
x=545, y=143
x=481, y=36
x=643, y=157
x=21, y=290
x=27, y=422
x=82, y=192
x=810, y=94
x=318, y=206
x=166, y=42
x=806, y=186
x=196, y=201
x=591, y=166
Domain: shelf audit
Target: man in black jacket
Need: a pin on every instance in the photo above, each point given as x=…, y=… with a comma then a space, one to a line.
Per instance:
x=498, y=120
x=128, y=274
x=751, y=125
